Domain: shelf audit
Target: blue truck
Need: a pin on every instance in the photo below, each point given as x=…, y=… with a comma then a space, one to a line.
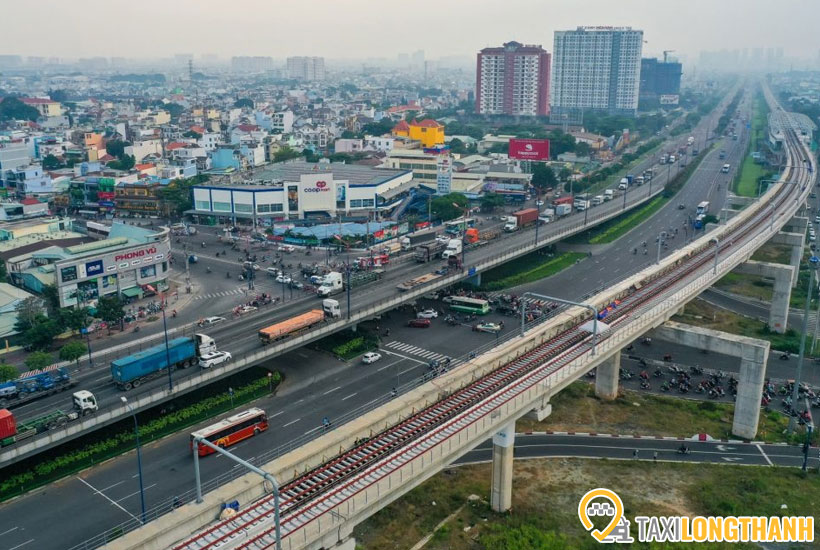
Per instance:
x=28, y=388
x=131, y=371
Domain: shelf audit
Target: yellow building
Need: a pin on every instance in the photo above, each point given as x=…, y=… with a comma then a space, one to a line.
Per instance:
x=429, y=132
x=46, y=107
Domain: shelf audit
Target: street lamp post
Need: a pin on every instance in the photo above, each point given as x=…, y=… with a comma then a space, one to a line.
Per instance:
x=661, y=236
x=139, y=455
x=270, y=382
x=814, y=263
x=88, y=345
x=167, y=349
x=717, y=250
x=464, y=225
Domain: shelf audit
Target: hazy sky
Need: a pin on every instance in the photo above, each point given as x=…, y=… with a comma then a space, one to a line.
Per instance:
x=383, y=28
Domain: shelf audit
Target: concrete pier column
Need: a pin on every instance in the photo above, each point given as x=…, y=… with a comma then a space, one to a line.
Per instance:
x=347, y=544
x=607, y=376
x=781, y=295
x=753, y=361
x=542, y=410
x=475, y=280
x=796, y=240
x=501, y=485
x=753, y=353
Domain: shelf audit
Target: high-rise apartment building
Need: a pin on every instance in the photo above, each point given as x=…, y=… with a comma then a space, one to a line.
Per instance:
x=596, y=68
x=513, y=80
x=658, y=79
x=251, y=64
x=306, y=68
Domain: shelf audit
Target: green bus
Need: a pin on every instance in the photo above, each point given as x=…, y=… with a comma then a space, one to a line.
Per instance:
x=470, y=305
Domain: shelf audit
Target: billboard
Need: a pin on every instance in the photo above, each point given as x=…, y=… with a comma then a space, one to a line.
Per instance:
x=529, y=149
x=444, y=174
x=94, y=268
x=669, y=99
x=317, y=192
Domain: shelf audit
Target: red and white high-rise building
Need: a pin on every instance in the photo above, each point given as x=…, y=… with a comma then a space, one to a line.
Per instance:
x=513, y=80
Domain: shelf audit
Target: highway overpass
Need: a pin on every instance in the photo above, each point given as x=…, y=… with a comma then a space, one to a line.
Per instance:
x=330, y=484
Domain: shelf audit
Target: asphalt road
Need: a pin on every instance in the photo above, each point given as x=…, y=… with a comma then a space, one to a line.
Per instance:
x=316, y=386
x=238, y=336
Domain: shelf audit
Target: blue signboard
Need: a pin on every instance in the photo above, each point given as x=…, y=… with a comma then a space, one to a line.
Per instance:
x=471, y=271
x=93, y=268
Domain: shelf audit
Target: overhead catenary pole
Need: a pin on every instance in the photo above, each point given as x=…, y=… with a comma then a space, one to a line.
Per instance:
x=814, y=263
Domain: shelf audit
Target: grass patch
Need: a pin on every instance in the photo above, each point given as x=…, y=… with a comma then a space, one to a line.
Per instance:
x=747, y=285
x=576, y=409
x=748, y=179
x=526, y=269
x=545, y=502
x=617, y=227
x=703, y=314
x=774, y=253
x=348, y=344
x=171, y=417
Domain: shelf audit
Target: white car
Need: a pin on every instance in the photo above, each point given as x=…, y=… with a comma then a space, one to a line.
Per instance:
x=208, y=321
x=272, y=271
x=370, y=357
x=443, y=238
x=284, y=279
x=216, y=358
x=539, y=203
x=427, y=314
x=247, y=309
x=287, y=248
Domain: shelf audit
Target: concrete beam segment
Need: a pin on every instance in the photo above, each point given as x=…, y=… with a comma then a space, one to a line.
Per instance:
x=797, y=224
x=736, y=200
x=787, y=239
x=501, y=488
x=753, y=354
x=475, y=280
x=782, y=275
x=607, y=376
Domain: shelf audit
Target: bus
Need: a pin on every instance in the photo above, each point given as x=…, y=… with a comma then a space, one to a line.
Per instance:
x=703, y=208
x=232, y=430
x=454, y=227
x=470, y=305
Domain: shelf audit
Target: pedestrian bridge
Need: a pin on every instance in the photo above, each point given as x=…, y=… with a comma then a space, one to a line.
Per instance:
x=334, y=482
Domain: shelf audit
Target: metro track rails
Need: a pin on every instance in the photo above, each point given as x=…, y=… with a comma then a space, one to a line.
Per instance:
x=313, y=493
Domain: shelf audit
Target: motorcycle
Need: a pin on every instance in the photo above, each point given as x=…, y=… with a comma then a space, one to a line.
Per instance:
x=228, y=275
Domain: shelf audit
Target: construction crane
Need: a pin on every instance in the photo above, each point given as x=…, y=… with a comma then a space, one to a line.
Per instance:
x=666, y=54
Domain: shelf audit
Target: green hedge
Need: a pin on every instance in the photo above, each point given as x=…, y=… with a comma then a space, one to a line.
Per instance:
x=527, y=269
x=52, y=469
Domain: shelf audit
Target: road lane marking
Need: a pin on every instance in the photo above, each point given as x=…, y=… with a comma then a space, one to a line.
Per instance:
x=9, y=531
x=21, y=545
x=291, y=423
x=136, y=493
x=106, y=497
x=110, y=486
x=310, y=431
x=348, y=397
x=275, y=415
x=404, y=356
x=759, y=448
x=333, y=390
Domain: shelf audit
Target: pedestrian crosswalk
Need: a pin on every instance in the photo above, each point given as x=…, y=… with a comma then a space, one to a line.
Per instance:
x=224, y=293
x=415, y=350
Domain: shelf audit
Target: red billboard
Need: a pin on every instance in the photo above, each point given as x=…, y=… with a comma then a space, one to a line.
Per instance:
x=529, y=149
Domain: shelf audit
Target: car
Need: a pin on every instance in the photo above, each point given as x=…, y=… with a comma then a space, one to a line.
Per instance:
x=215, y=358
x=817, y=219
x=297, y=285
x=283, y=279
x=539, y=203
x=488, y=327
x=370, y=357
x=316, y=279
x=812, y=238
x=251, y=265
x=681, y=206
x=287, y=248
x=813, y=195
x=247, y=309
x=427, y=314
x=208, y=321
x=272, y=271
x=443, y=270
x=419, y=323
x=443, y=238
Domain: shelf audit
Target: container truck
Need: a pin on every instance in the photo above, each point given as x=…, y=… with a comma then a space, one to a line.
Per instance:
x=521, y=219
x=609, y=194
x=454, y=248
x=580, y=206
x=412, y=283
x=474, y=236
x=132, y=370
x=294, y=325
x=563, y=210
x=563, y=200
x=331, y=284
x=430, y=251
x=623, y=184
x=411, y=241
x=331, y=308
x=597, y=199
x=690, y=140
x=11, y=431
x=28, y=388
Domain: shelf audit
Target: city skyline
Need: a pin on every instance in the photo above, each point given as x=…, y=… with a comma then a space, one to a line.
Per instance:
x=260, y=30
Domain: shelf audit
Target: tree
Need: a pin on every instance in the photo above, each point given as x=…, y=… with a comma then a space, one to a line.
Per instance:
x=543, y=176
x=41, y=333
x=58, y=95
x=378, y=128
x=565, y=173
x=243, y=102
x=125, y=163
x=51, y=297
x=174, y=109
x=450, y=206
x=582, y=149
x=28, y=311
x=116, y=147
x=72, y=351
x=347, y=134
x=7, y=372
x=491, y=201
x=38, y=360
x=73, y=318
x=190, y=134
x=12, y=108
x=109, y=308
x=286, y=153
x=177, y=194
x=457, y=146
x=50, y=162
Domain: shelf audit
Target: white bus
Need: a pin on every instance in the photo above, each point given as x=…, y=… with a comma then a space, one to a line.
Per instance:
x=703, y=208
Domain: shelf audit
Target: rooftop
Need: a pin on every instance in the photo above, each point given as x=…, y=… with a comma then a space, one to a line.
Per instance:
x=291, y=172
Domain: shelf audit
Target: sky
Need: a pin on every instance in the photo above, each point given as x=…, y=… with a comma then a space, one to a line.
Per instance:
x=360, y=29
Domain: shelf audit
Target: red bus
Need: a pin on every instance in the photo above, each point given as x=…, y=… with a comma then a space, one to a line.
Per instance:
x=232, y=430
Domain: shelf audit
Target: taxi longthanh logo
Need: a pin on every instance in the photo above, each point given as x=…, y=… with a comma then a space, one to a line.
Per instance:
x=607, y=505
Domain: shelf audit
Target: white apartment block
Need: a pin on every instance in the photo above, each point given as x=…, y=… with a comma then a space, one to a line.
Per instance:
x=597, y=68
x=306, y=68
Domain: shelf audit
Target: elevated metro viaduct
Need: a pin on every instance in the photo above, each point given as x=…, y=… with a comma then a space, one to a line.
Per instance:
x=336, y=481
